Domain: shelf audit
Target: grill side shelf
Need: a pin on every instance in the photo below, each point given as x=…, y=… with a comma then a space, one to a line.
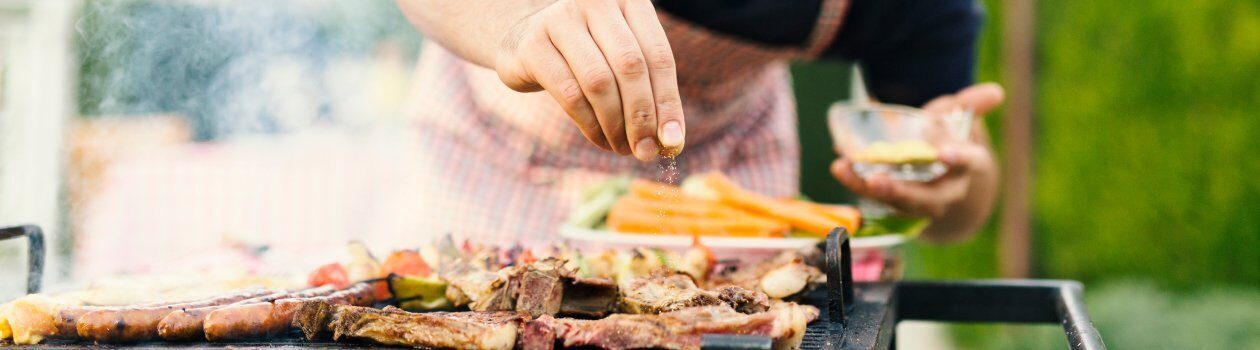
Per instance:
x=1017, y=301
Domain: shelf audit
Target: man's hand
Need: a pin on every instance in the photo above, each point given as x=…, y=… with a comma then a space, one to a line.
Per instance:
x=962, y=198
x=608, y=64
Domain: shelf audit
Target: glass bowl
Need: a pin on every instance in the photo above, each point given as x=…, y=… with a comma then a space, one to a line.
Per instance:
x=900, y=141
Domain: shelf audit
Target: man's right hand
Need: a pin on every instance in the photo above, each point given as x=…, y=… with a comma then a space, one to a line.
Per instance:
x=608, y=64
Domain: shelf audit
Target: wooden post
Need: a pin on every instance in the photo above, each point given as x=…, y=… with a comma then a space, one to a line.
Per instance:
x=1018, y=45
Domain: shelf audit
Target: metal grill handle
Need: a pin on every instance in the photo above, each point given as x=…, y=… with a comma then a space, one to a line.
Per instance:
x=35, y=252
x=839, y=261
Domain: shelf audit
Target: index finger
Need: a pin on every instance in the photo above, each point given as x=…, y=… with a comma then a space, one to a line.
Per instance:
x=662, y=71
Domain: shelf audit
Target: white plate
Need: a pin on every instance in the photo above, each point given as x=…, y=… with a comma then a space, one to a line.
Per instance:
x=731, y=246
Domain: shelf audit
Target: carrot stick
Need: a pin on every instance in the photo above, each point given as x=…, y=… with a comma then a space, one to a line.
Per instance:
x=798, y=217
x=848, y=217
x=684, y=207
x=626, y=218
x=655, y=190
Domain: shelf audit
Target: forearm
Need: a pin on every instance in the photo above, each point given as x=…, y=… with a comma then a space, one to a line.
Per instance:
x=963, y=219
x=472, y=29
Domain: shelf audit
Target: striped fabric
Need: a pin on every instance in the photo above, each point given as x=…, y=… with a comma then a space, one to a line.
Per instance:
x=511, y=164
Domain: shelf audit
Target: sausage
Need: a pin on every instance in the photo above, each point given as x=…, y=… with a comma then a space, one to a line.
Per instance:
x=264, y=319
x=133, y=324
x=186, y=324
x=67, y=319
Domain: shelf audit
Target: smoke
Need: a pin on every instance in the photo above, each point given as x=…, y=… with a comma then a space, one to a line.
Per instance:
x=230, y=67
x=225, y=69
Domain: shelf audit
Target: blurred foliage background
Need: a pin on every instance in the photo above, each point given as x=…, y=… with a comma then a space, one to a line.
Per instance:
x=1146, y=158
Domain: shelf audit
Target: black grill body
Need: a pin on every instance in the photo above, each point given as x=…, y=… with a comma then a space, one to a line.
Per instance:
x=856, y=316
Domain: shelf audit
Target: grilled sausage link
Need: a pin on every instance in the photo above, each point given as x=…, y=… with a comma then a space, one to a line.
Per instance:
x=257, y=320
x=133, y=324
x=186, y=324
x=67, y=319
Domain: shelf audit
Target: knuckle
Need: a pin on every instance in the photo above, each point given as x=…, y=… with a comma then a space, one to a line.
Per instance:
x=631, y=64
x=669, y=105
x=661, y=57
x=599, y=81
x=570, y=94
x=569, y=8
x=641, y=116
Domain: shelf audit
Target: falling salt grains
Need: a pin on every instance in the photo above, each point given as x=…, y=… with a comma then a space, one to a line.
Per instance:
x=668, y=173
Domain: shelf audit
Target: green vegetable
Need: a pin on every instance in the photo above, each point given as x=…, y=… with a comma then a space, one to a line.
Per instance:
x=420, y=293
x=596, y=202
x=909, y=226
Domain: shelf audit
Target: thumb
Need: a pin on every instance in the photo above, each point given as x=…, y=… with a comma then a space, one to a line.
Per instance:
x=981, y=98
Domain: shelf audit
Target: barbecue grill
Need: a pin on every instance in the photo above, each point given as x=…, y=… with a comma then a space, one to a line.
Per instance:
x=853, y=315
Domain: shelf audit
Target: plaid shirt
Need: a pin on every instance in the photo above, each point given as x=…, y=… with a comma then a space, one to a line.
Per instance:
x=508, y=166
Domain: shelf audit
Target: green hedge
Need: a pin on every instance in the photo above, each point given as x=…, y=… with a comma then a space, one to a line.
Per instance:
x=1147, y=160
x=1148, y=141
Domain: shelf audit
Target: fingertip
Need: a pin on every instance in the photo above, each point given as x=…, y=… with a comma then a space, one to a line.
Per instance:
x=982, y=97
x=949, y=156
x=646, y=149
x=672, y=134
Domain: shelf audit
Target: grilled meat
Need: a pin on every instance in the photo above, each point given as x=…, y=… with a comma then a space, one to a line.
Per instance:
x=790, y=321
x=670, y=292
x=743, y=300
x=187, y=324
x=67, y=319
x=664, y=293
x=438, y=330
x=133, y=324
x=589, y=297
x=540, y=287
x=469, y=283
x=681, y=329
x=538, y=334
x=790, y=273
x=263, y=319
x=544, y=287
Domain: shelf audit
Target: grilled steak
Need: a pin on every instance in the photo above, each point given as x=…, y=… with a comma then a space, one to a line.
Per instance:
x=438, y=330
